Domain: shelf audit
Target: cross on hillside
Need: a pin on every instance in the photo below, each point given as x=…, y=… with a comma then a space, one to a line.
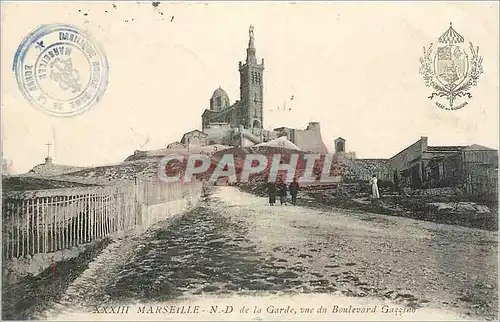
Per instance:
x=48, y=144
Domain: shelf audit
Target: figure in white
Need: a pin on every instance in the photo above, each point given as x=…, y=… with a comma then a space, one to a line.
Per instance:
x=373, y=182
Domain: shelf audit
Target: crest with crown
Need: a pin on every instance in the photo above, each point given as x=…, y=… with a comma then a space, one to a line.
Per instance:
x=450, y=71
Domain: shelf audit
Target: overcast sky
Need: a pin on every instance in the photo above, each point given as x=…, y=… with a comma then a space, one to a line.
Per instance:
x=354, y=67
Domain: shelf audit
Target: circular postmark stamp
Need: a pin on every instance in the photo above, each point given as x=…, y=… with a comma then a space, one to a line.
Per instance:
x=61, y=69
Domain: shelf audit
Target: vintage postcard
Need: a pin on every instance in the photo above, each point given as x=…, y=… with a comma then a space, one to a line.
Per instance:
x=249, y=160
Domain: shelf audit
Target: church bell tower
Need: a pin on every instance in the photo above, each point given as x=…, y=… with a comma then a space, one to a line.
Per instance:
x=251, y=88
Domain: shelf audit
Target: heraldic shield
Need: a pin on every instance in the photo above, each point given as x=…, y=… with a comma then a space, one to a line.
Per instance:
x=450, y=71
x=451, y=65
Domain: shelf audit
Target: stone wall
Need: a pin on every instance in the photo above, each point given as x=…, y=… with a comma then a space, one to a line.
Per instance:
x=175, y=145
x=364, y=169
x=218, y=134
x=437, y=192
x=195, y=137
x=155, y=213
x=50, y=169
x=310, y=140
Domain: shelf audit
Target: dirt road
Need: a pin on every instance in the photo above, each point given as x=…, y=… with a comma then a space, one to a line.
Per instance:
x=234, y=244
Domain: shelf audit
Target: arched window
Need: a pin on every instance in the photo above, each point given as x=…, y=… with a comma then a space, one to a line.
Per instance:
x=340, y=146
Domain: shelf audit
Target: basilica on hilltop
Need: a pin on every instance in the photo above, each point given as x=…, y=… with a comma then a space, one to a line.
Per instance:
x=240, y=124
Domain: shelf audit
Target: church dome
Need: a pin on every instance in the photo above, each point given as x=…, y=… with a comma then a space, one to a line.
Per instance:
x=219, y=100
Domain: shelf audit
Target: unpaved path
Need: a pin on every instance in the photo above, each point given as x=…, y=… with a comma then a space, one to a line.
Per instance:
x=417, y=262
x=234, y=249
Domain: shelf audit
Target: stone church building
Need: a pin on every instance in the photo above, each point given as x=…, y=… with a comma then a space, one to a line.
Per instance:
x=240, y=124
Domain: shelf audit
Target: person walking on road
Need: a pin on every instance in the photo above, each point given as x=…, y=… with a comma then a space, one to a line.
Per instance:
x=271, y=189
x=282, y=191
x=294, y=190
x=375, y=192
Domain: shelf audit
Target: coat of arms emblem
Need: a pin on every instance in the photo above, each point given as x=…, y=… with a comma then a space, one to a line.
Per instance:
x=450, y=71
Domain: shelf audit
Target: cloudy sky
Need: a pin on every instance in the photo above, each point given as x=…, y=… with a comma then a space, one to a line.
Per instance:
x=351, y=66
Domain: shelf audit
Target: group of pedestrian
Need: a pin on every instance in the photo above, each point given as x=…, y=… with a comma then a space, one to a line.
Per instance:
x=281, y=189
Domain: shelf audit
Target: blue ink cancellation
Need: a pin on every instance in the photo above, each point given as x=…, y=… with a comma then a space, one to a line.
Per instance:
x=61, y=69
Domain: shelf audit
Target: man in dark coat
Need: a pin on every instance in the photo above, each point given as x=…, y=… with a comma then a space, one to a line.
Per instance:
x=271, y=190
x=282, y=191
x=294, y=190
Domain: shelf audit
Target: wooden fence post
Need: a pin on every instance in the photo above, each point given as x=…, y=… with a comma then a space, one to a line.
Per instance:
x=24, y=209
x=65, y=204
x=128, y=199
x=8, y=239
x=10, y=235
x=106, y=210
x=57, y=210
x=76, y=218
x=110, y=214
x=28, y=226
x=103, y=217
x=43, y=204
x=37, y=225
x=83, y=215
x=123, y=198
x=119, y=212
x=87, y=217
x=66, y=221
x=18, y=215
x=109, y=199
x=61, y=204
x=98, y=215
x=41, y=209
x=91, y=216
x=33, y=226
x=94, y=209
x=79, y=219
x=70, y=221
x=101, y=212
x=8, y=232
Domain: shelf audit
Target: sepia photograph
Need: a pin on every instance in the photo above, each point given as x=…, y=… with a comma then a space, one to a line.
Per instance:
x=249, y=161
